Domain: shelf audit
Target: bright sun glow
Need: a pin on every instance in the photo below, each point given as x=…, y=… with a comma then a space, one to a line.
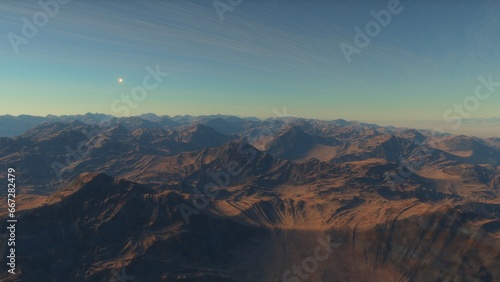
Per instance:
x=120, y=80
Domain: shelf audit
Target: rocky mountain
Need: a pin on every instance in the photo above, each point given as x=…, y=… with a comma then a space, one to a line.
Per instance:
x=11, y=126
x=246, y=200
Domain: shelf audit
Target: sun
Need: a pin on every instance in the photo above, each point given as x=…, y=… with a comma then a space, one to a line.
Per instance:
x=120, y=80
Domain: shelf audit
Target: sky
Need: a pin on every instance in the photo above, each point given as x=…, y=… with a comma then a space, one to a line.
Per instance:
x=251, y=58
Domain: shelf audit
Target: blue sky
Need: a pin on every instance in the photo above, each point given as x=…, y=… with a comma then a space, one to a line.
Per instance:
x=262, y=55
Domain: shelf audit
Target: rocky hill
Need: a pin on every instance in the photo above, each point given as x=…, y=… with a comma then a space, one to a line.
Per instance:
x=292, y=200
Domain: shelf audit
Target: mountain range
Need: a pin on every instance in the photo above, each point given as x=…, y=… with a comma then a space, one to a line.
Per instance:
x=222, y=198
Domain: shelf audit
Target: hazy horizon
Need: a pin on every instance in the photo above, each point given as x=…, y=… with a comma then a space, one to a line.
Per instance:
x=483, y=128
x=253, y=58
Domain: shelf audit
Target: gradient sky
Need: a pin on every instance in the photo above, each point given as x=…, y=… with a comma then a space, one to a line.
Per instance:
x=263, y=55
